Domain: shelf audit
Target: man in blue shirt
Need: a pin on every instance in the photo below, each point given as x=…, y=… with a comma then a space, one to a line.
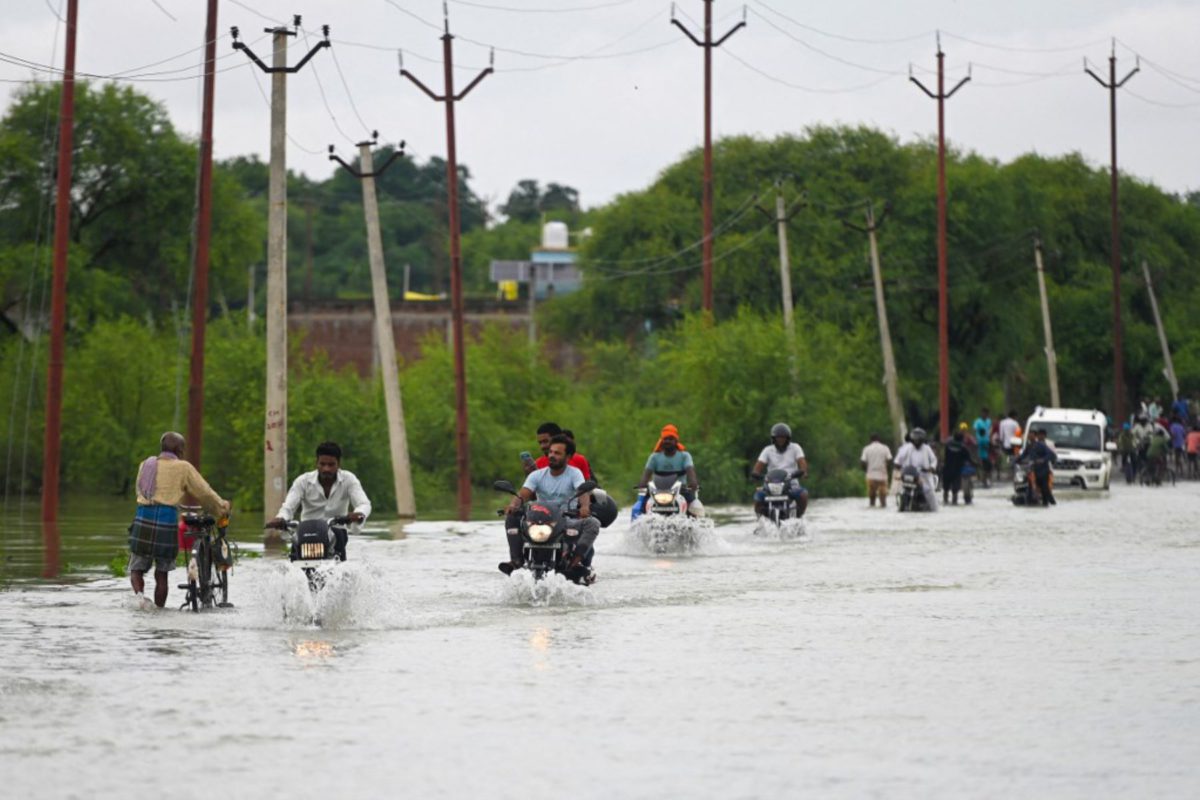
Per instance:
x=669, y=458
x=556, y=483
x=983, y=435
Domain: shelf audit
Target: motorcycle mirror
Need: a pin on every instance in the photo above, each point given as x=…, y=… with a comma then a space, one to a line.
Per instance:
x=585, y=487
x=504, y=486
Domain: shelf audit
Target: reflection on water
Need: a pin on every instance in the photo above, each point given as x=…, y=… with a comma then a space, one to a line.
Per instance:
x=310, y=650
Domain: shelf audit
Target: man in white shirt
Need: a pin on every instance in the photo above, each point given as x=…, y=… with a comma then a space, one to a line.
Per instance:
x=786, y=455
x=921, y=457
x=875, y=459
x=325, y=493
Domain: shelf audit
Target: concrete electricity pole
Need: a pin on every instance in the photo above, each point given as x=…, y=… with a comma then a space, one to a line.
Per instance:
x=707, y=195
x=1051, y=358
x=58, y=291
x=406, y=507
x=275, y=422
x=781, y=217
x=456, y=292
x=943, y=305
x=1112, y=84
x=890, y=380
x=195, y=428
x=1169, y=370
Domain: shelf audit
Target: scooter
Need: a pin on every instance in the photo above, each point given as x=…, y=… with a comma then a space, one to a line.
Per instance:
x=545, y=545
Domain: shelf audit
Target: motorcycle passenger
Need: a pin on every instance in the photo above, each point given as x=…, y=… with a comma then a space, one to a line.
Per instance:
x=956, y=458
x=324, y=493
x=786, y=455
x=670, y=457
x=545, y=432
x=1041, y=455
x=555, y=483
x=915, y=453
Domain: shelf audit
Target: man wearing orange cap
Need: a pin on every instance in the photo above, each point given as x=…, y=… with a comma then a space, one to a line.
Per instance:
x=669, y=458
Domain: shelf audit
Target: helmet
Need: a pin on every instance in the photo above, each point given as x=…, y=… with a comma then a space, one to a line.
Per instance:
x=780, y=429
x=917, y=435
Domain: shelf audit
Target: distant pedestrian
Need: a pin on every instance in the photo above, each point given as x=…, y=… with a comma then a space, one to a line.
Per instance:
x=956, y=458
x=875, y=458
x=983, y=437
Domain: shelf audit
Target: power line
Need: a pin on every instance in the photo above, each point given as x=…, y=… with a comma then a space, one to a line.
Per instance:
x=856, y=40
x=825, y=54
x=1014, y=49
x=804, y=88
x=567, y=10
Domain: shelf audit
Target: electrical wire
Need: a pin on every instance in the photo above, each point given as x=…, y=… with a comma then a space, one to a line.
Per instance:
x=321, y=90
x=800, y=87
x=160, y=7
x=897, y=40
x=685, y=268
x=568, y=10
x=257, y=13
x=1161, y=103
x=825, y=54
x=349, y=97
x=267, y=101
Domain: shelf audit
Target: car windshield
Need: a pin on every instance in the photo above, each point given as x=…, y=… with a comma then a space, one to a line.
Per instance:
x=1076, y=435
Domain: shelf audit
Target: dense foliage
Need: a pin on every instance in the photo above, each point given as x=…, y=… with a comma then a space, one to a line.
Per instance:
x=620, y=358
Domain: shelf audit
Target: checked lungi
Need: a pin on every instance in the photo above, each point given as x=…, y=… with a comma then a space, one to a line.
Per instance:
x=155, y=532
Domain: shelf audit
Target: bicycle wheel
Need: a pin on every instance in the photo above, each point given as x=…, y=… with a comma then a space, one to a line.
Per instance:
x=222, y=587
x=203, y=557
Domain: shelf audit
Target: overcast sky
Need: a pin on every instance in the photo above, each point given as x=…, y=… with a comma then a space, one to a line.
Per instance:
x=608, y=122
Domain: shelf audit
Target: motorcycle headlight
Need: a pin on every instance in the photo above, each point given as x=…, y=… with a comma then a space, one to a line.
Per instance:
x=664, y=498
x=775, y=488
x=540, y=533
x=309, y=550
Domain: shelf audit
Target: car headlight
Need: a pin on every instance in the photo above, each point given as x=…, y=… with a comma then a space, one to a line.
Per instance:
x=540, y=533
x=1094, y=464
x=664, y=498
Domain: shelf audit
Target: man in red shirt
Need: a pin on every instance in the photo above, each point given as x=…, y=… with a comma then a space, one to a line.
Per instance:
x=575, y=459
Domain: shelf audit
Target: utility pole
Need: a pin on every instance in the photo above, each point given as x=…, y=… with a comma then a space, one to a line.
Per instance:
x=1112, y=84
x=456, y=292
x=1051, y=358
x=58, y=291
x=943, y=305
x=195, y=428
x=406, y=507
x=781, y=217
x=890, y=381
x=308, y=251
x=1169, y=372
x=707, y=193
x=275, y=422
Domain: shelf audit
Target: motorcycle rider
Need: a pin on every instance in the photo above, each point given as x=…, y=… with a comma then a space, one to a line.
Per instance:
x=670, y=457
x=786, y=455
x=916, y=454
x=1041, y=455
x=555, y=483
x=324, y=493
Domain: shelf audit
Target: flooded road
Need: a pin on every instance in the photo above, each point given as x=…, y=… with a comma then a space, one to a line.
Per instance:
x=986, y=651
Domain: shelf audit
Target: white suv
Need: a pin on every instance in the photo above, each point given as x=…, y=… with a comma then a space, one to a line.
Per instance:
x=1079, y=439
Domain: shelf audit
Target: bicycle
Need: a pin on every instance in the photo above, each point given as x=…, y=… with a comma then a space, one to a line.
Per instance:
x=209, y=560
x=1156, y=474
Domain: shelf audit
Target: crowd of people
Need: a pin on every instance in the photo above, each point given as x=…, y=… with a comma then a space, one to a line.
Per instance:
x=1157, y=441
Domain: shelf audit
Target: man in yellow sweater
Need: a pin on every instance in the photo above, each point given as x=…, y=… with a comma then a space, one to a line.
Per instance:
x=163, y=481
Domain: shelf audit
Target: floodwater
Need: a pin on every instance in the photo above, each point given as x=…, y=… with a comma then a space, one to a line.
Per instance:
x=985, y=651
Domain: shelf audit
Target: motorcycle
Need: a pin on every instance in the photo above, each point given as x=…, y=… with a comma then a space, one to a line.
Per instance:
x=663, y=497
x=1025, y=488
x=316, y=545
x=780, y=505
x=912, y=495
x=545, y=546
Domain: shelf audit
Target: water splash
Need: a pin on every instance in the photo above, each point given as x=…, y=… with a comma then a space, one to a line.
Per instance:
x=522, y=588
x=351, y=596
x=678, y=536
x=789, y=530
